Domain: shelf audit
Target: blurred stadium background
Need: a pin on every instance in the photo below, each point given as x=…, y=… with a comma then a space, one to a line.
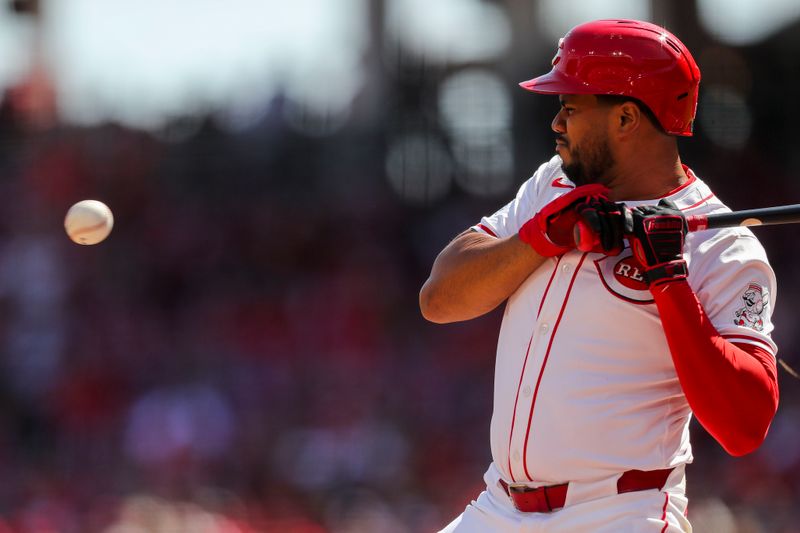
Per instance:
x=245, y=352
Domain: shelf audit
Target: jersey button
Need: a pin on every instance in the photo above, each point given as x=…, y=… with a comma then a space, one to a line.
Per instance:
x=566, y=268
x=527, y=390
x=544, y=327
x=516, y=455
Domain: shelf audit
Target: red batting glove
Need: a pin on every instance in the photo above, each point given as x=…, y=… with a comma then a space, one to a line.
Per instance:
x=550, y=231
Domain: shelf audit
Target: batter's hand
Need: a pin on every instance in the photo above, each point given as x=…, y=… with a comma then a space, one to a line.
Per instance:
x=657, y=234
x=550, y=231
x=601, y=226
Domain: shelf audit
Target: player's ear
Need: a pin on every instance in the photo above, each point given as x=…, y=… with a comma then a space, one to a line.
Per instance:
x=628, y=117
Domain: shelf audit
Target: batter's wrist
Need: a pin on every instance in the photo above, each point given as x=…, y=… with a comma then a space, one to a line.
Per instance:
x=534, y=234
x=666, y=273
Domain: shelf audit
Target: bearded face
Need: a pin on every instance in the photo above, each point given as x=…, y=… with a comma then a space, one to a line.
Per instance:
x=589, y=160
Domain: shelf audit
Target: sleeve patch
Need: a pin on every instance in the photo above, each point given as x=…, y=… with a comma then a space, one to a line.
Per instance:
x=755, y=299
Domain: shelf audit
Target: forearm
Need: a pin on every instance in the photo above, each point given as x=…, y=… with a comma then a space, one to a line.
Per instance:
x=732, y=391
x=474, y=274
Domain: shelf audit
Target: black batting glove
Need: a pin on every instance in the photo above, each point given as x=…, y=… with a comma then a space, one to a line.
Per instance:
x=601, y=226
x=657, y=234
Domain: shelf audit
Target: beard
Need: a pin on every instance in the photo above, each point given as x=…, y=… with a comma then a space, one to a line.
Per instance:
x=591, y=164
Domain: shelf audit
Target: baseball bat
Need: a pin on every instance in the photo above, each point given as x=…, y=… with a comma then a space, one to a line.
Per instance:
x=586, y=239
x=764, y=216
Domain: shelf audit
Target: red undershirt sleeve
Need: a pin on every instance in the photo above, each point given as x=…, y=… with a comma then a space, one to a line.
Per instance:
x=731, y=389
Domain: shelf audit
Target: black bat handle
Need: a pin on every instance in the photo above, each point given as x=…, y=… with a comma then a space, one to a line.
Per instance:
x=784, y=214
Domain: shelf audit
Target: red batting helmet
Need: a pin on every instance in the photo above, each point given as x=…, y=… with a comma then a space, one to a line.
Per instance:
x=627, y=58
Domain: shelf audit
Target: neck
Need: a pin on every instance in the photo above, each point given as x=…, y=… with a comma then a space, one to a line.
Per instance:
x=647, y=178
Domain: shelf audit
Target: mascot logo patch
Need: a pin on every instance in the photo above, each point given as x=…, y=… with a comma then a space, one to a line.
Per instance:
x=623, y=276
x=755, y=299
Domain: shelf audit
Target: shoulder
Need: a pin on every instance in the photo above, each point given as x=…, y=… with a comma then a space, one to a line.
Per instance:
x=549, y=180
x=728, y=244
x=546, y=183
x=550, y=174
x=699, y=199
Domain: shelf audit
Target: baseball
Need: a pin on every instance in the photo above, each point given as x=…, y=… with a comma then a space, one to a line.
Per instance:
x=88, y=222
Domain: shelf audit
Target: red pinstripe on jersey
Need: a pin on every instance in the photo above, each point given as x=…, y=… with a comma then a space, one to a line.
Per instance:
x=550, y=281
x=664, y=513
x=544, y=364
x=514, y=414
x=524, y=364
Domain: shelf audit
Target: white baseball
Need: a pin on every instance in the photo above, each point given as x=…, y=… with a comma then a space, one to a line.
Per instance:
x=88, y=222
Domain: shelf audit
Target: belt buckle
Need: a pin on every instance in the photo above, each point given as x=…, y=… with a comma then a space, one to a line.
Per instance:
x=529, y=499
x=519, y=488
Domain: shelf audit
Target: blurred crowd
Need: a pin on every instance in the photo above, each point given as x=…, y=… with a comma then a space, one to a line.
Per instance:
x=245, y=352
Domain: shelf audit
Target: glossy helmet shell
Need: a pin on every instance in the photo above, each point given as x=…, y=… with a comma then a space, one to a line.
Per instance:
x=627, y=58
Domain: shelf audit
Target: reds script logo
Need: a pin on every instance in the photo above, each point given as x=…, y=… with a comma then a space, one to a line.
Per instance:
x=623, y=276
x=755, y=299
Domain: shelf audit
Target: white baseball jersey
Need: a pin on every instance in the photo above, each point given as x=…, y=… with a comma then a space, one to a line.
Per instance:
x=585, y=386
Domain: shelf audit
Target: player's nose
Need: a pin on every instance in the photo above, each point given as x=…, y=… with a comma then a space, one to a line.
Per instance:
x=559, y=124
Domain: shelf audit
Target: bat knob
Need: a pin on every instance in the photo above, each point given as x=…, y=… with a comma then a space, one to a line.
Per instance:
x=585, y=238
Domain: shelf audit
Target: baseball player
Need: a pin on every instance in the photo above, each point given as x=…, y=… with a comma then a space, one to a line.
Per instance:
x=606, y=352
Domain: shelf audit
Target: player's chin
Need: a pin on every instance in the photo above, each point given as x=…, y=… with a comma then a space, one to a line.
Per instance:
x=571, y=170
